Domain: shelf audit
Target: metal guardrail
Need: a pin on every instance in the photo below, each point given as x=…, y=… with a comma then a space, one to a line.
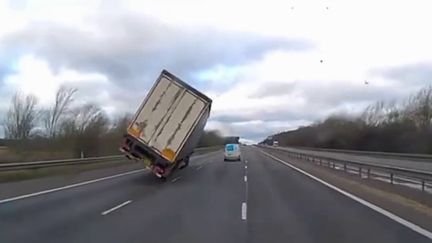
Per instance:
x=392, y=174
x=52, y=163
x=63, y=162
x=372, y=153
x=205, y=149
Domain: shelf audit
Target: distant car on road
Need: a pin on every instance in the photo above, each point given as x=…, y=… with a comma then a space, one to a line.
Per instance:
x=275, y=143
x=232, y=152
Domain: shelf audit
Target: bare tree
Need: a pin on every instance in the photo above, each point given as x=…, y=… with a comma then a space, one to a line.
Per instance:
x=22, y=117
x=419, y=108
x=121, y=123
x=85, y=128
x=82, y=118
x=52, y=117
x=87, y=116
x=374, y=114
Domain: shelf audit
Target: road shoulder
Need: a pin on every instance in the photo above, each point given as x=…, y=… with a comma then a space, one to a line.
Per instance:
x=407, y=203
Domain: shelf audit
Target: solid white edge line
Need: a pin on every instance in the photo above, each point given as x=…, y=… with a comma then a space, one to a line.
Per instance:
x=244, y=211
x=69, y=186
x=374, y=207
x=116, y=207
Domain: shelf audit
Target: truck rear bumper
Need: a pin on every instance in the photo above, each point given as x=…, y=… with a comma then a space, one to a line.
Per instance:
x=133, y=149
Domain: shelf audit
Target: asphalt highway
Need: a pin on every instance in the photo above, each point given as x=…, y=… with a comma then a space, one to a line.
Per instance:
x=256, y=200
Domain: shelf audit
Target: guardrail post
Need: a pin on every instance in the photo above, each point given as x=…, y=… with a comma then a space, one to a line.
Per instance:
x=423, y=185
x=391, y=178
x=345, y=167
x=333, y=165
x=360, y=171
x=368, y=173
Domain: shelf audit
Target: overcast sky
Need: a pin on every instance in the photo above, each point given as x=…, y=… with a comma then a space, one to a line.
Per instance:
x=269, y=66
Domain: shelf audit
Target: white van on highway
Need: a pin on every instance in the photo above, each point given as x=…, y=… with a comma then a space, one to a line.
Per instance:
x=232, y=152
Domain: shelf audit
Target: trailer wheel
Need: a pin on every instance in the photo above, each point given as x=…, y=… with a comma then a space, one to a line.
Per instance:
x=185, y=163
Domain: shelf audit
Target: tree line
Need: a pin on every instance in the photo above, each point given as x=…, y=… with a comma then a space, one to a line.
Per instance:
x=391, y=126
x=67, y=127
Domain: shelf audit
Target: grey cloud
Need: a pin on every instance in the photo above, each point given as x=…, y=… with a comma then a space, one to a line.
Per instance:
x=321, y=100
x=131, y=48
x=269, y=115
x=252, y=134
x=326, y=95
x=251, y=131
x=109, y=95
x=274, y=89
x=420, y=73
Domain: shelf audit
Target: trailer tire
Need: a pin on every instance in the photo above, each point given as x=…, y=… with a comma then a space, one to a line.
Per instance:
x=186, y=163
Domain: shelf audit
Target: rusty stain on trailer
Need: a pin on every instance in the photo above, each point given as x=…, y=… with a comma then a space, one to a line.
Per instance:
x=180, y=123
x=141, y=126
x=173, y=101
x=170, y=115
x=161, y=96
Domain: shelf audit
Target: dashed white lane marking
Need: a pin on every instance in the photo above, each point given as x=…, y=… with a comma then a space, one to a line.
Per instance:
x=245, y=178
x=69, y=186
x=374, y=207
x=199, y=167
x=116, y=207
x=175, y=179
x=244, y=211
x=245, y=166
x=246, y=161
